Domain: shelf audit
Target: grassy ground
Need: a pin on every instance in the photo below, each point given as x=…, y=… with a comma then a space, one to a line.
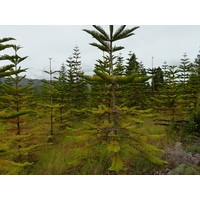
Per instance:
x=54, y=159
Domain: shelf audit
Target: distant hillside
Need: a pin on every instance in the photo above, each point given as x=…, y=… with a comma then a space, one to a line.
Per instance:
x=36, y=82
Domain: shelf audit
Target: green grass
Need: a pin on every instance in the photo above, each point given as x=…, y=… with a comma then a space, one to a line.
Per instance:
x=51, y=162
x=193, y=149
x=57, y=158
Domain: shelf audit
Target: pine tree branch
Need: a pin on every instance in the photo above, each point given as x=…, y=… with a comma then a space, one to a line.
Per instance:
x=118, y=31
x=6, y=39
x=124, y=33
x=101, y=47
x=101, y=30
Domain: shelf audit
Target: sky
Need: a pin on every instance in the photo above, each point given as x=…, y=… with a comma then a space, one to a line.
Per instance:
x=41, y=42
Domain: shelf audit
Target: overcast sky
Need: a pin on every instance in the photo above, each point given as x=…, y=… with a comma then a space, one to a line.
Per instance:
x=163, y=42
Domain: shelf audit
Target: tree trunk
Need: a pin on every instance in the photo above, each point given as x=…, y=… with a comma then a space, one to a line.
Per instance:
x=114, y=111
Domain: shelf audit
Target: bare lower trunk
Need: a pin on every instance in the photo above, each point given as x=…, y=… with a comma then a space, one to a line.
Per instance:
x=51, y=118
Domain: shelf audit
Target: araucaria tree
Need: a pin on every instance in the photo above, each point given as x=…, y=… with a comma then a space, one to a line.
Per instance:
x=194, y=81
x=76, y=86
x=14, y=98
x=17, y=143
x=106, y=44
x=185, y=69
x=115, y=142
x=48, y=93
x=60, y=93
x=135, y=93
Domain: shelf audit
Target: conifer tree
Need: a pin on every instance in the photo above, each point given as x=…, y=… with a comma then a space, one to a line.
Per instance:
x=48, y=93
x=194, y=80
x=71, y=82
x=135, y=93
x=119, y=69
x=158, y=78
x=132, y=65
x=15, y=90
x=164, y=69
x=7, y=166
x=113, y=141
x=77, y=95
x=196, y=65
x=17, y=144
x=185, y=69
x=100, y=92
x=171, y=90
x=106, y=45
x=60, y=91
x=171, y=99
x=81, y=100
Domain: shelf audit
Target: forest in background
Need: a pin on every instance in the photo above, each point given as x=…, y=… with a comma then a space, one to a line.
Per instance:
x=125, y=119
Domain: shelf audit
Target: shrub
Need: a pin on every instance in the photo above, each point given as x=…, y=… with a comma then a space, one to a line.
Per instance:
x=186, y=169
x=191, y=130
x=193, y=149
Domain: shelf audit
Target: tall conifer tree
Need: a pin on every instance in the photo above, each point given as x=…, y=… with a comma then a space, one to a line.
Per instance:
x=194, y=80
x=61, y=91
x=48, y=94
x=135, y=93
x=18, y=143
x=171, y=98
x=77, y=88
x=16, y=91
x=118, y=138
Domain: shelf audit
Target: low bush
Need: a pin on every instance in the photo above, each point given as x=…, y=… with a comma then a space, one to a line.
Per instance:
x=191, y=130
